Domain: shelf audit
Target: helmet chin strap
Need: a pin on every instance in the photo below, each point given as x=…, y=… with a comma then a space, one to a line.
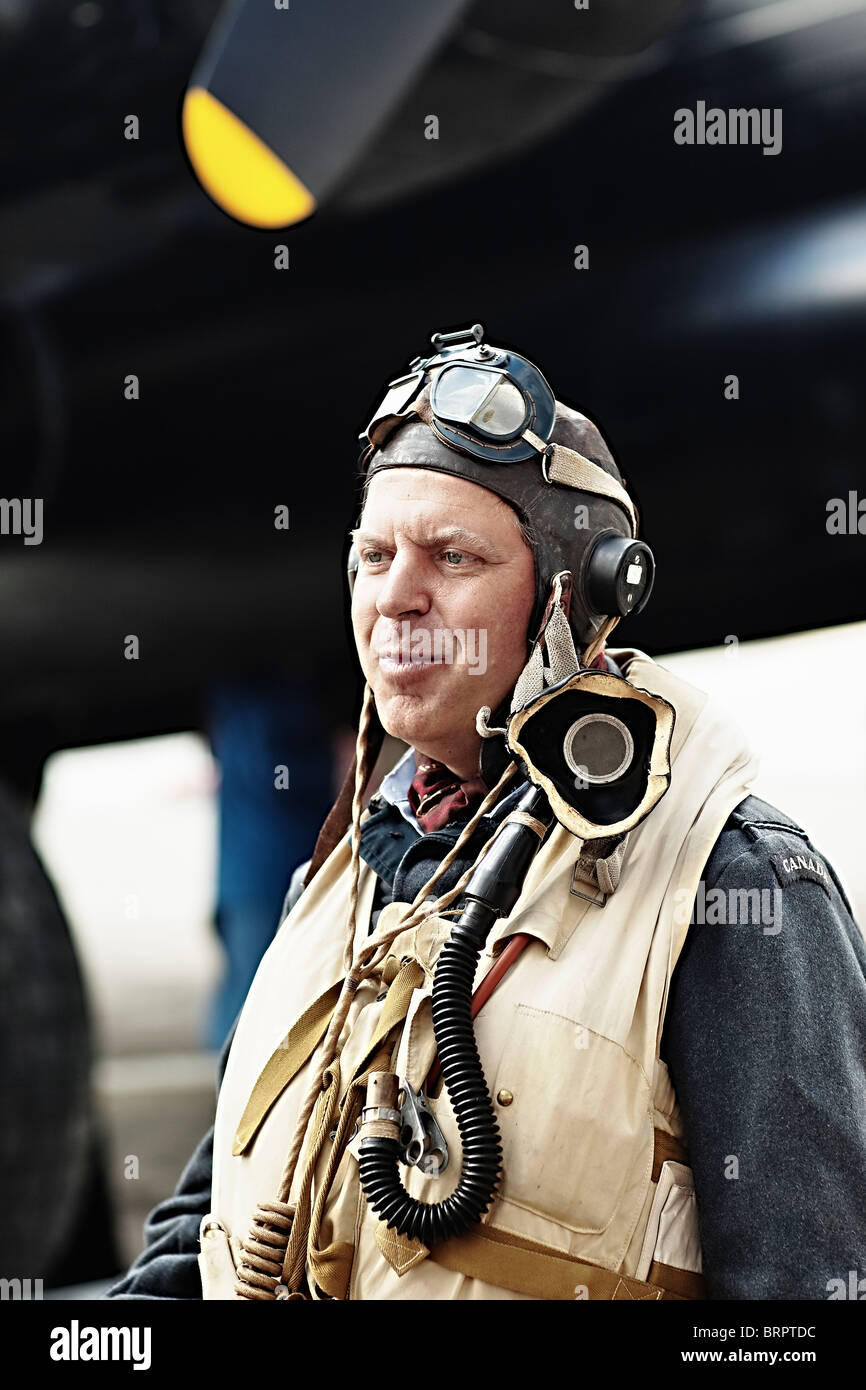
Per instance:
x=553, y=657
x=599, y=640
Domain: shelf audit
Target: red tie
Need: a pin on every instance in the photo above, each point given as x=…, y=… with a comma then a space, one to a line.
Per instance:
x=436, y=794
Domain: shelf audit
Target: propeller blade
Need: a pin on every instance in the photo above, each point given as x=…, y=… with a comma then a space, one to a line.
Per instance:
x=284, y=99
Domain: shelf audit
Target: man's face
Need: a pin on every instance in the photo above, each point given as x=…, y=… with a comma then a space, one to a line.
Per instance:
x=440, y=608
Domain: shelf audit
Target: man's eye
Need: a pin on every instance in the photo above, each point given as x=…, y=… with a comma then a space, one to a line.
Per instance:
x=454, y=557
x=372, y=557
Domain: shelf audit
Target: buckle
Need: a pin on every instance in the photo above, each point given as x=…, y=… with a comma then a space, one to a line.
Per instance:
x=543, y=448
x=576, y=893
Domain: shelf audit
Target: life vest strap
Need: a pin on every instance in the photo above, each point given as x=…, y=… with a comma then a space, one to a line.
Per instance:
x=667, y=1147
x=509, y=1261
x=284, y=1065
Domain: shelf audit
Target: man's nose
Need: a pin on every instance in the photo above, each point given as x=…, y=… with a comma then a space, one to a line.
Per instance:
x=404, y=588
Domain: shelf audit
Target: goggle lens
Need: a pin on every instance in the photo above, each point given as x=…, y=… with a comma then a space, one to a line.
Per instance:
x=491, y=403
x=503, y=412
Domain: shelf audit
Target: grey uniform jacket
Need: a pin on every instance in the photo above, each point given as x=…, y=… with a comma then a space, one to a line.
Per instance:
x=765, y=1038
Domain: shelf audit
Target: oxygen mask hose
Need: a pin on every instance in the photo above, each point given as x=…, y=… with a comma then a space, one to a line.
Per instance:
x=491, y=892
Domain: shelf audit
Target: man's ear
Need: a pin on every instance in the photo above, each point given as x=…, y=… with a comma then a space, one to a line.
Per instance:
x=352, y=563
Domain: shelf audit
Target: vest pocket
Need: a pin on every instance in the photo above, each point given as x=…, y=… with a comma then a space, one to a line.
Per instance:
x=575, y=1113
x=672, y=1235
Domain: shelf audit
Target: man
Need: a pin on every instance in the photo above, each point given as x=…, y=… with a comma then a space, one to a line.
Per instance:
x=679, y=1107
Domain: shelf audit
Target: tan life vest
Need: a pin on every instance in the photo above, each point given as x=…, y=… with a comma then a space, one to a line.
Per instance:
x=593, y=1202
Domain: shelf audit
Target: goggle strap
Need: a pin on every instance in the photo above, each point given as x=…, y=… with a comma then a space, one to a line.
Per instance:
x=381, y=426
x=567, y=466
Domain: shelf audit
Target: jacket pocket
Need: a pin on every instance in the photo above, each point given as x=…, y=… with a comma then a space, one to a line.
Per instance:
x=575, y=1113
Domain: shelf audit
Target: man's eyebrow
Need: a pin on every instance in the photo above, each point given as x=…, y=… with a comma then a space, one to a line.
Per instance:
x=459, y=535
x=449, y=535
x=361, y=537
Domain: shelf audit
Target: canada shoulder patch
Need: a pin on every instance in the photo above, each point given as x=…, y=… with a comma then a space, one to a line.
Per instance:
x=792, y=864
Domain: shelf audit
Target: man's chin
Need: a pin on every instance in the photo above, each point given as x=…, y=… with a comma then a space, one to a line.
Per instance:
x=412, y=714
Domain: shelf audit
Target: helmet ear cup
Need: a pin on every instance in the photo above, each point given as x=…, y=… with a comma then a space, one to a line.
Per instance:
x=618, y=576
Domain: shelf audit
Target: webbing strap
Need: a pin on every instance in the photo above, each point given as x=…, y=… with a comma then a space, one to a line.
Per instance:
x=564, y=465
x=509, y=1261
x=331, y=1267
x=678, y=1281
x=405, y=982
x=665, y=1146
x=284, y=1064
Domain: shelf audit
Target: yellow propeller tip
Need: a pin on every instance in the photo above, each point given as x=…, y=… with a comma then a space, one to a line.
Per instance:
x=237, y=168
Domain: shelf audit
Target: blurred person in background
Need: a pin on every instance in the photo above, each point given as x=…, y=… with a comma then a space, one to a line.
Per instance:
x=273, y=746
